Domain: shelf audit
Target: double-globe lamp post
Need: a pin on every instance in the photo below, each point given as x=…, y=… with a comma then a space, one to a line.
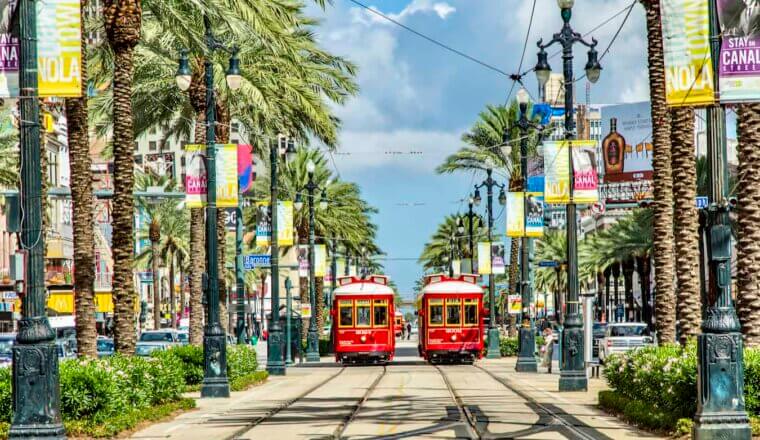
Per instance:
x=494, y=351
x=573, y=370
x=215, y=383
x=312, y=338
x=526, y=360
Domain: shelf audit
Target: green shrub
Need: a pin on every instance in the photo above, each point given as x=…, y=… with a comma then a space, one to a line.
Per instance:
x=242, y=383
x=638, y=412
x=509, y=347
x=752, y=380
x=188, y=360
x=6, y=400
x=241, y=361
x=191, y=359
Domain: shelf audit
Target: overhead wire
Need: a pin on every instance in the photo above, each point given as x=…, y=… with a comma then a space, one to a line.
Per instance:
x=516, y=78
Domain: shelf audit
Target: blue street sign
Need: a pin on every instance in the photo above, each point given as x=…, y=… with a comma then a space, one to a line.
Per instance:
x=548, y=263
x=702, y=202
x=253, y=261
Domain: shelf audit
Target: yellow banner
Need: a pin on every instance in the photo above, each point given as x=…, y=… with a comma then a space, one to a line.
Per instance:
x=226, y=176
x=59, y=51
x=284, y=224
x=484, y=258
x=61, y=301
x=557, y=172
x=320, y=260
x=686, y=47
x=515, y=215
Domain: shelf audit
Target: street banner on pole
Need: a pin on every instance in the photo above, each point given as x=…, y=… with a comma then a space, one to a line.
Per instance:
x=557, y=173
x=498, y=266
x=585, y=177
x=515, y=214
x=305, y=309
x=340, y=267
x=245, y=167
x=230, y=219
x=303, y=260
x=515, y=304
x=516, y=224
x=456, y=267
x=739, y=72
x=557, y=168
x=284, y=224
x=263, y=224
x=352, y=270
x=320, y=260
x=59, y=50
x=484, y=258
x=686, y=47
x=226, y=176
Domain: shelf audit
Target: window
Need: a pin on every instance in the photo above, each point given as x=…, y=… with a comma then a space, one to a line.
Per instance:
x=346, y=308
x=453, y=311
x=381, y=313
x=435, y=312
x=152, y=146
x=363, y=318
x=235, y=127
x=470, y=312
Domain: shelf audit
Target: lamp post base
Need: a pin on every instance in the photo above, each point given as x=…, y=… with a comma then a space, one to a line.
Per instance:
x=215, y=387
x=494, y=347
x=312, y=346
x=722, y=426
x=215, y=383
x=573, y=380
x=526, y=360
x=275, y=357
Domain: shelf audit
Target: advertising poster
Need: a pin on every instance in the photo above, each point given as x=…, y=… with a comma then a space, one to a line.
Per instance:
x=498, y=265
x=534, y=223
x=305, y=309
x=58, y=49
x=340, y=264
x=686, y=46
x=226, y=176
x=515, y=304
x=515, y=214
x=557, y=173
x=557, y=168
x=245, y=167
x=585, y=177
x=284, y=224
x=263, y=224
x=320, y=260
x=739, y=71
x=303, y=260
x=626, y=151
x=484, y=258
x=456, y=267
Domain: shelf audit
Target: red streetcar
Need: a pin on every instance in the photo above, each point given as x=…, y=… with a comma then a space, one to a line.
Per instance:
x=451, y=314
x=363, y=315
x=398, y=325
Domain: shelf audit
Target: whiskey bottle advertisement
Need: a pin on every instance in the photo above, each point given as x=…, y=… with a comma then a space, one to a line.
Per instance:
x=613, y=150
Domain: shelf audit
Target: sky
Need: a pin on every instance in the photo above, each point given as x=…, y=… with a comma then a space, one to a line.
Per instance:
x=417, y=99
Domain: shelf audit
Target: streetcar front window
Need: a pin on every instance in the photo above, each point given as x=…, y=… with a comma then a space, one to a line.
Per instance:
x=363, y=314
x=381, y=313
x=470, y=312
x=346, y=313
x=435, y=312
x=453, y=312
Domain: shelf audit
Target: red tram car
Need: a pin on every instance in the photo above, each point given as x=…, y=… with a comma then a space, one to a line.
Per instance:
x=451, y=314
x=363, y=314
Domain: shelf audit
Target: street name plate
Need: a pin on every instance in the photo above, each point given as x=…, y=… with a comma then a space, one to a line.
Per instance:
x=254, y=261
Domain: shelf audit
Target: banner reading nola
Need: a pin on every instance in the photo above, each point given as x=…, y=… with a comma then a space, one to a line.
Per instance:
x=196, y=179
x=498, y=265
x=320, y=260
x=284, y=224
x=557, y=167
x=516, y=223
x=739, y=73
x=340, y=267
x=686, y=47
x=484, y=258
x=59, y=51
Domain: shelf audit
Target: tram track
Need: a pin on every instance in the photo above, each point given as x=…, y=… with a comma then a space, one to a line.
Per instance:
x=466, y=418
x=285, y=405
x=338, y=433
x=559, y=416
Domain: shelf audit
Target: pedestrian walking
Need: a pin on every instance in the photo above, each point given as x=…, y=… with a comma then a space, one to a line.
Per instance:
x=548, y=348
x=408, y=331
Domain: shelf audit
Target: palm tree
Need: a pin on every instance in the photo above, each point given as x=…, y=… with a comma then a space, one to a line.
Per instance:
x=662, y=176
x=552, y=247
x=688, y=308
x=9, y=151
x=436, y=254
x=748, y=246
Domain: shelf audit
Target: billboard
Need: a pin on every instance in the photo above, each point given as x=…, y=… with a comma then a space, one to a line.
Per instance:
x=686, y=47
x=739, y=67
x=626, y=151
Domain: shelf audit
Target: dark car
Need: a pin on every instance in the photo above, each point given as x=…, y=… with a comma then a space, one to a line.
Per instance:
x=597, y=333
x=6, y=344
x=105, y=347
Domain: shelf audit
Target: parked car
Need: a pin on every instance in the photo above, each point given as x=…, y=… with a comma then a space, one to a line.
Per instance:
x=169, y=336
x=6, y=345
x=597, y=332
x=620, y=337
x=184, y=337
x=105, y=347
x=147, y=348
x=65, y=349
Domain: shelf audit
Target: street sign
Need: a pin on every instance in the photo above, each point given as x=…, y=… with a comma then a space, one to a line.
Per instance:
x=253, y=261
x=702, y=202
x=548, y=263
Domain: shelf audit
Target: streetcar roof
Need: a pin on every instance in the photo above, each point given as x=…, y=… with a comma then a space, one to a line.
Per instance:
x=452, y=287
x=363, y=288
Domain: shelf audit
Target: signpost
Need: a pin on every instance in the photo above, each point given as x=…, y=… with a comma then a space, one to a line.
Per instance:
x=253, y=261
x=548, y=263
x=702, y=202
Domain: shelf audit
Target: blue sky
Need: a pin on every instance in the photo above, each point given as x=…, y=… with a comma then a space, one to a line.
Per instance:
x=417, y=97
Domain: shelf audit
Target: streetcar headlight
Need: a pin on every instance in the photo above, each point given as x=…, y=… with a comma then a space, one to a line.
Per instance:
x=363, y=338
x=454, y=338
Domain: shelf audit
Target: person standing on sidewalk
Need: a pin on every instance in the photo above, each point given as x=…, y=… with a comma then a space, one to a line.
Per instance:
x=548, y=348
x=408, y=331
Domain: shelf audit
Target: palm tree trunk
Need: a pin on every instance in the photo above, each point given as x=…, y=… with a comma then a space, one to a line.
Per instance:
x=172, y=296
x=663, y=179
x=156, y=286
x=81, y=199
x=181, y=305
x=319, y=285
x=748, y=246
x=197, y=93
x=688, y=310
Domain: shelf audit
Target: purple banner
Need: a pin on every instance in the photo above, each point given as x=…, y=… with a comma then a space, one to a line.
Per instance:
x=740, y=50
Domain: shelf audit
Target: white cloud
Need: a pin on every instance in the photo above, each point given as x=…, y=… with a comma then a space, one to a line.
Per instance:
x=441, y=9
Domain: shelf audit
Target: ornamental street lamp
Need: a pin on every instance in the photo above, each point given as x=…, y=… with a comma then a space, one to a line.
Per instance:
x=494, y=351
x=526, y=360
x=215, y=383
x=312, y=339
x=451, y=256
x=275, y=340
x=720, y=383
x=573, y=368
x=36, y=392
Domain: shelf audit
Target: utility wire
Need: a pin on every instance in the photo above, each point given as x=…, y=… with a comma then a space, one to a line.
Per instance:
x=517, y=78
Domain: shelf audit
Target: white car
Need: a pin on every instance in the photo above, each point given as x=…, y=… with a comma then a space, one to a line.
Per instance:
x=146, y=348
x=620, y=337
x=168, y=336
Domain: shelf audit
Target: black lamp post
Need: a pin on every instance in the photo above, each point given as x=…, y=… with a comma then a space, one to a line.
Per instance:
x=720, y=383
x=526, y=360
x=36, y=392
x=573, y=369
x=312, y=339
x=215, y=383
x=494, y=351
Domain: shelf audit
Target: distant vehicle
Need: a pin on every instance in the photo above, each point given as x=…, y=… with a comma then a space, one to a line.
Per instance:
x=105, y=347
x=398, y=323
x=414, y=329
x=170, y=336
x=147, y=348
x=597, y=333
x=6, y=345
x=65, y=349
x=184, y=337
x=326, y=330
x=620, y=337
